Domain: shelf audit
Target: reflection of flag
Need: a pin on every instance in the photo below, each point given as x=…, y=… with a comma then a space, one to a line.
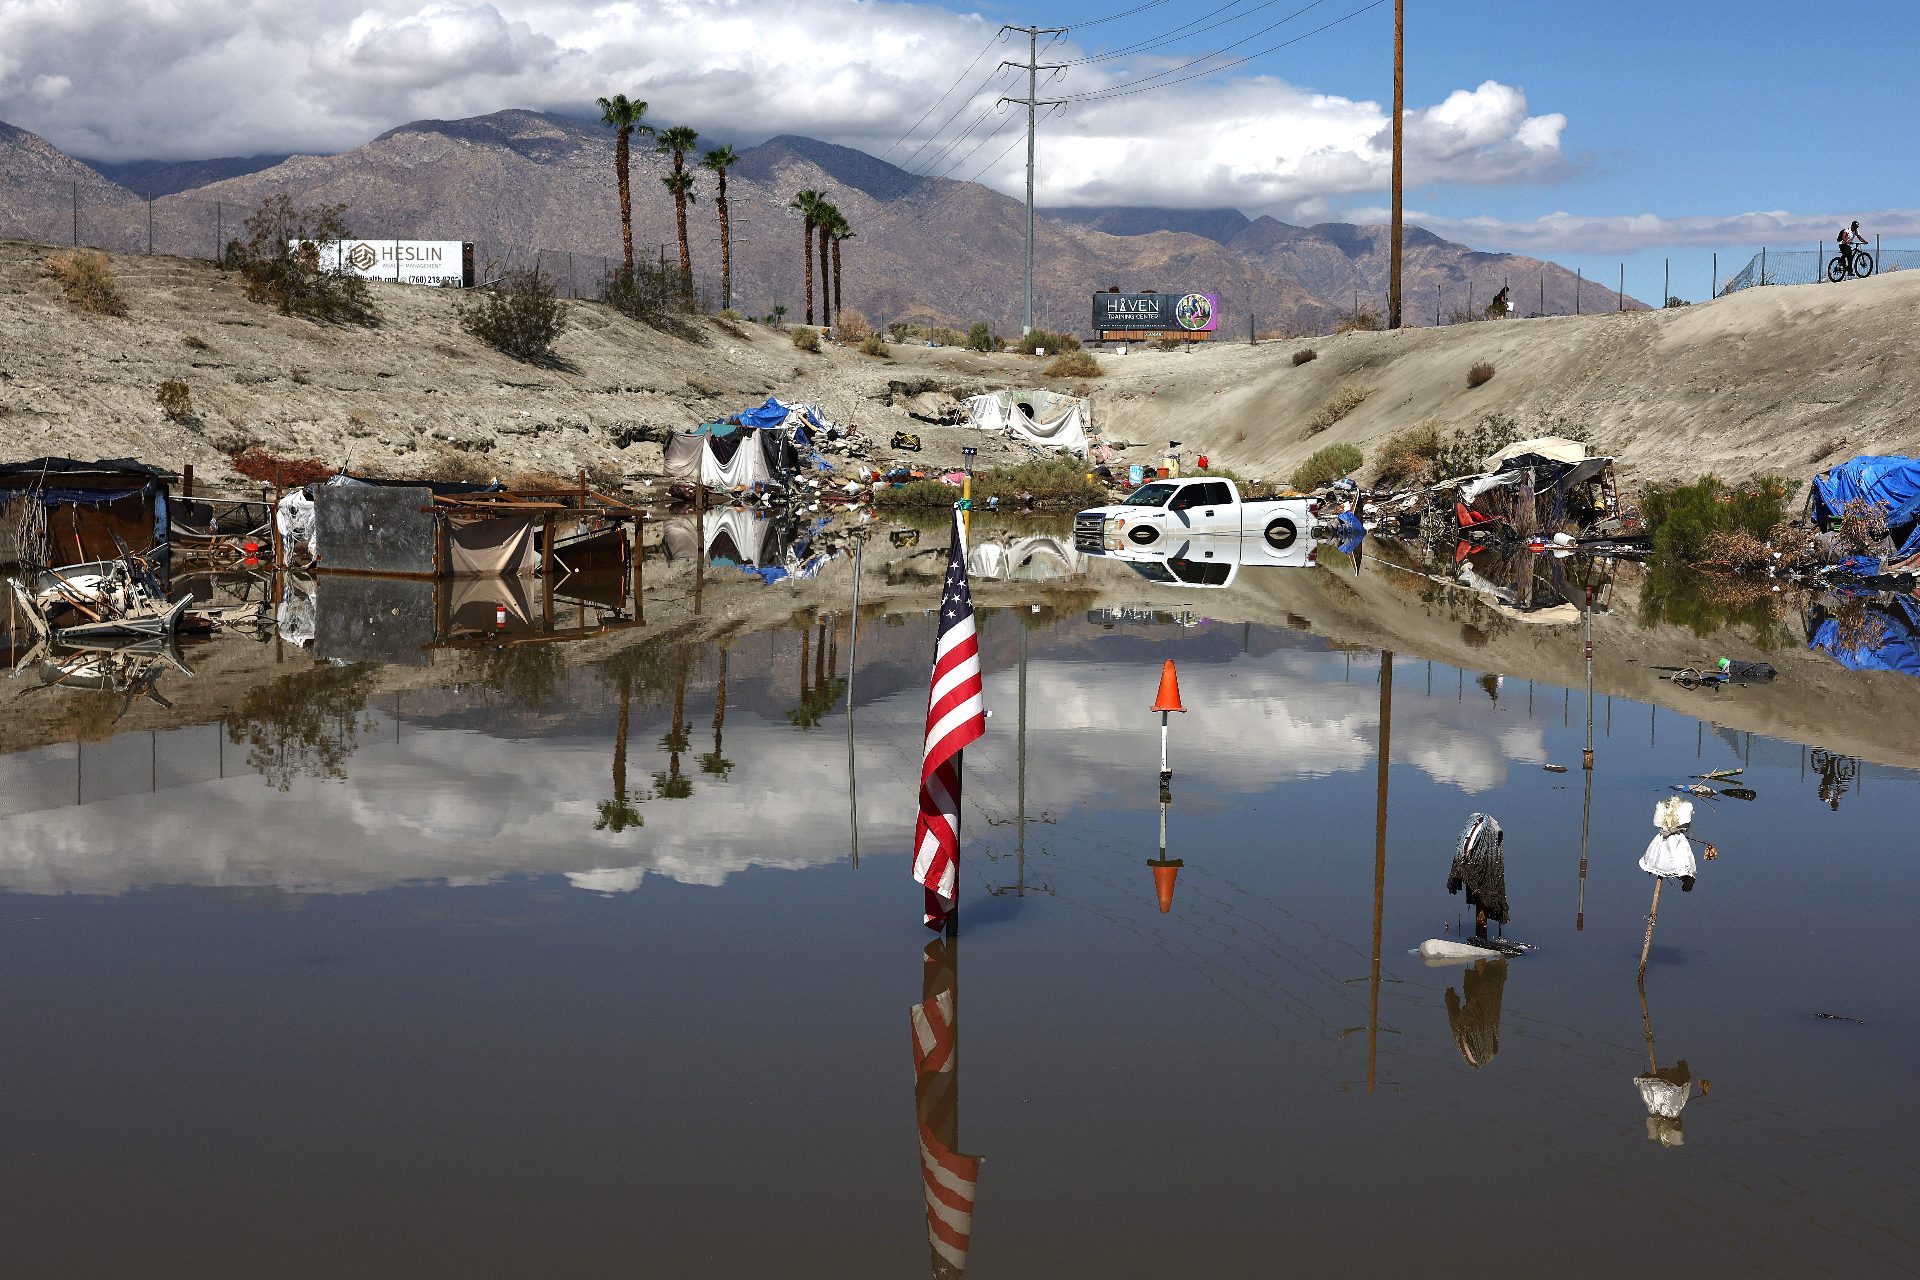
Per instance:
x=956, y=715
x=948, y=1179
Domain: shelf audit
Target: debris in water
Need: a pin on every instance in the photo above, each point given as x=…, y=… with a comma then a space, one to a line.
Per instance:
x=1554, y=768
x=1841, y=1017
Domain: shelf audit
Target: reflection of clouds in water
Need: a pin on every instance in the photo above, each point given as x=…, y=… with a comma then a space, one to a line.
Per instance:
x=462, y=808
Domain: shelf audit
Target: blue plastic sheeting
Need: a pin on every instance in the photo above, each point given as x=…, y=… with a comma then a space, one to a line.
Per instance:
x=770, y=414
x=1889, y=480
x=1896, y=649
x=717, y=429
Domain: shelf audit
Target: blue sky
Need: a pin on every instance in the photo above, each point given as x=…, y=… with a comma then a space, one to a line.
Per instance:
x=1667, y=131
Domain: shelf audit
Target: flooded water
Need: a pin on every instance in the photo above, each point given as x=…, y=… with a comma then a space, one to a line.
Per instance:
x=598, y=959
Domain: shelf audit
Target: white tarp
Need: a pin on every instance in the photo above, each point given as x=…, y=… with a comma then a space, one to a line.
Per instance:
x=1045, y=419
x=1552, y=448
x=295, y=519
x=1035, y=559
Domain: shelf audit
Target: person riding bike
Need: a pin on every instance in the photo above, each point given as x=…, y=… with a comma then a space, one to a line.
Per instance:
x=1850, y=240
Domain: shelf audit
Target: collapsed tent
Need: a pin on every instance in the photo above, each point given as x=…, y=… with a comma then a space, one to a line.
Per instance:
x=1536, y=486
x=1889, y=483
x=56, y=511
x=1868, y=634
x=1044, y=419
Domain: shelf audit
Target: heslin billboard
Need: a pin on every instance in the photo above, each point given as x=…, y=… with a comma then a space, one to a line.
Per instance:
x=1185, y=313
x=447, y=264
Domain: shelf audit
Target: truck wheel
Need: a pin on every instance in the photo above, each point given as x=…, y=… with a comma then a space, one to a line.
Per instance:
x=1281, y=533
x=1143, y=534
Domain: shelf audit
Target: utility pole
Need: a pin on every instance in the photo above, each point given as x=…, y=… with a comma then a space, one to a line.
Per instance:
x=1399, y=111
x=1031, y=101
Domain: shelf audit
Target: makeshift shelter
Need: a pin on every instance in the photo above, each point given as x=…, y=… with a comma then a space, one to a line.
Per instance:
x=1036, y=559
x=755, y=448
x=1868, y=634
x=1045, y=419
x=1534, y=487
x=57, y=511
x=1890, y=483
x=735, y=537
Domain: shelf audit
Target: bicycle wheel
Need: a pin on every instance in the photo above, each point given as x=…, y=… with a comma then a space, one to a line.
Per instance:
x=1836, y=270
x=1863, y=264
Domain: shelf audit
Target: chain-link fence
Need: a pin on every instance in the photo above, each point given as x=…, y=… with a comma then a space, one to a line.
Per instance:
x=182, y=226
x=1811, y=266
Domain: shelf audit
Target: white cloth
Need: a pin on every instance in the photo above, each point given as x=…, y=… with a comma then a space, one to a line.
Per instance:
x=1673, y=814
x=1663, y=1097
x=1668, y=855
x=295, y=519
x=1056, y=422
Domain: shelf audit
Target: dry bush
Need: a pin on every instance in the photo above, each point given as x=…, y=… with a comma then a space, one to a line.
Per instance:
x=1405, y=459
x=88, y=282
x=1480, y=374
x=1304, y=355
x=1052, y=343
x=257, y=464
x=282, y=268
x=852, y=326
x=195, y=342
x=175, y=400
x=731, y=315
x=1862, y=525
x=1736, y=550
x=1795, y=543
x=520, y=316
x=806, y=339
x=1343, y=402
x=875, y=345
x=1826, y=449
x=1073, y=364
x=1361, y=321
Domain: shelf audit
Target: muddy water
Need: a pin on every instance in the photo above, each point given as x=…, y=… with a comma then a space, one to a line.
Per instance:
x=605, y=969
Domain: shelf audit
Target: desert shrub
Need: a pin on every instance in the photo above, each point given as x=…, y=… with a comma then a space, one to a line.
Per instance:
x=806, y=338
x=1862, y=525
x=1405, y=458
x=875, y=345
x=949, y=337
x=1326, y=466
x=907, y=331
x=86, y=278
x=852, y=326
x=280, y=262
x=175, y=400
x=980, y=337
x=647, y=292
x=194, y=342
x=1052, y=343
x=1674, y=301
x=732, y=315
x=1304, y=355
x=1341, y=403
x=1073, y=364
x=918, y=493
x=520, y=315
x=1735, y=549
x=1168, y=344
x=1059, y=482
x=1682, y=518
x=1361, y=321
x=1480, y=374
x=258, y=465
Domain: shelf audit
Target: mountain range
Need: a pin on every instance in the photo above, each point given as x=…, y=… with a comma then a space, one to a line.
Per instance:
x=526, y=186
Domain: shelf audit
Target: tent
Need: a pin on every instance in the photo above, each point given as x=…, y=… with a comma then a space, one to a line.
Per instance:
x=1545, y=448
x=1886, y=637
x=736, y=460
x=1891, y=482
x=1045, y=419
x=1035, y=559
x=57, y=511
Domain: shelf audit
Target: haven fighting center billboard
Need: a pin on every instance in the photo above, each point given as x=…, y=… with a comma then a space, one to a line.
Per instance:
x=1156, y=312
x=444, y=263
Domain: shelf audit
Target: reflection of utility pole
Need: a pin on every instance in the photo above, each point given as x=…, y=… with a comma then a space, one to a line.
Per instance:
x=1379, y=857
x=853, y=662
x=1019, y=886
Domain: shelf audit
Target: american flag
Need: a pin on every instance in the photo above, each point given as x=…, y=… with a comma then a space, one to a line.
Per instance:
x=956, y=715
x=948, y=1180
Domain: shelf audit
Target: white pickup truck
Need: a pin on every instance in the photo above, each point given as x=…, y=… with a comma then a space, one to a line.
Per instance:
x=1164, y=511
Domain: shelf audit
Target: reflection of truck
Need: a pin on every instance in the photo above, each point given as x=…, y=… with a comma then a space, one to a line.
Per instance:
x=1164, y=513
x=1210, y=559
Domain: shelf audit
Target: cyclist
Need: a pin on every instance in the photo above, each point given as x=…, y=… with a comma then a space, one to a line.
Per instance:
x=1850, y=240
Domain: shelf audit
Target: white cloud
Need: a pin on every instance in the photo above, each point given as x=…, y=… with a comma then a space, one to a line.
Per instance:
x=189, y=78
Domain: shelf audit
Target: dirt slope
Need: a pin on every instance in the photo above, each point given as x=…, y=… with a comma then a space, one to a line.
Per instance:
x=1780, y=380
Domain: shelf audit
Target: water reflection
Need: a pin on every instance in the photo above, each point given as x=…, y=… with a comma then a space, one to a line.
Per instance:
x=949, y=1181
x=1664, y=1091
x=1473, y=1012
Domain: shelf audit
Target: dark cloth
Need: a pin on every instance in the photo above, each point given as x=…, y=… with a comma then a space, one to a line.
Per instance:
x=1479, y=867
x=1475, y=1015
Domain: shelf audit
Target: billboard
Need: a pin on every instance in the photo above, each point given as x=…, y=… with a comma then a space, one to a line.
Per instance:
x=444, y=263
x=1156, y=312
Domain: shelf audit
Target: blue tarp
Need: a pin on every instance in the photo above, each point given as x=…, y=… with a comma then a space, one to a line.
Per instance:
x=1891, y=481
x=770, y=414
x=1896, y=646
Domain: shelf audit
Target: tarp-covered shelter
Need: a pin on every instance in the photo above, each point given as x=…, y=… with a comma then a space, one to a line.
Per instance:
x=755, y=448
x=1877, y=634
x=1889, y=482
x=1045, y=419
x=1535, y=487
x=734, y=537
x=1041, y=558
x=58, y=511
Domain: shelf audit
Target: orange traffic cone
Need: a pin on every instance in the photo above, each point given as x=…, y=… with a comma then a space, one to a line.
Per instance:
x=1169, y=699
x=1164, y=874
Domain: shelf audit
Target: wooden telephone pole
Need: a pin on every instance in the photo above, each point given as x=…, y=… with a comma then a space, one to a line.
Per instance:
x=1399, y=112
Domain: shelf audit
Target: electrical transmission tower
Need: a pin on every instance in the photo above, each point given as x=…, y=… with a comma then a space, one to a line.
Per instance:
x=1033, y=68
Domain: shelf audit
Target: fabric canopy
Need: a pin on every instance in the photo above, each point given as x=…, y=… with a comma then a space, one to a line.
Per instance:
x=1045, y=419
x=502, y=546
x=1551, y=448
x=1892, y=482
x=770, y=414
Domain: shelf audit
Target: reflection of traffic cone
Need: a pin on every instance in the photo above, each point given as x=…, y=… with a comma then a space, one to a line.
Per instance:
x=1165, y=871
x=1169, y=699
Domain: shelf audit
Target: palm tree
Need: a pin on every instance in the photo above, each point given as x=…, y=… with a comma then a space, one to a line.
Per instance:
x=618, y=813
x=623, y=115
x=720, y=159
x=670, y=784
x=841, y=231
x=714, y=761
x=679, y=140
x=823, y=219
x=809, y=203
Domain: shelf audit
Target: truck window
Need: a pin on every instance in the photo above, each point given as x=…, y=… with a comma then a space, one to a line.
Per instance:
x=1151, y=495
x=1217, y=494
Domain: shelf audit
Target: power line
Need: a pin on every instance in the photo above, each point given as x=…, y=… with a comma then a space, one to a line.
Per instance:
x=1145, y=85
x=1207, y=57
x=1185, y=28
x=933, y=161
x=964, y=104
x=997, y=159
x=1124, y=13
x=975, y=148
x=992, y=40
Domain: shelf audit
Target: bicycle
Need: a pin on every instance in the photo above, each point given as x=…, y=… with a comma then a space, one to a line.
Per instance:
x=1839, y=267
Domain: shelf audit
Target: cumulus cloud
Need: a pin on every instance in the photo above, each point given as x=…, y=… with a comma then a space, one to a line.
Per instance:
x=1627, y=233
x=174, y=79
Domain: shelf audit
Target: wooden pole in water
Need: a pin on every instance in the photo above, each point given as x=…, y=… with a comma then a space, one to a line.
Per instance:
x=1379, y=858
x=1653, y=914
